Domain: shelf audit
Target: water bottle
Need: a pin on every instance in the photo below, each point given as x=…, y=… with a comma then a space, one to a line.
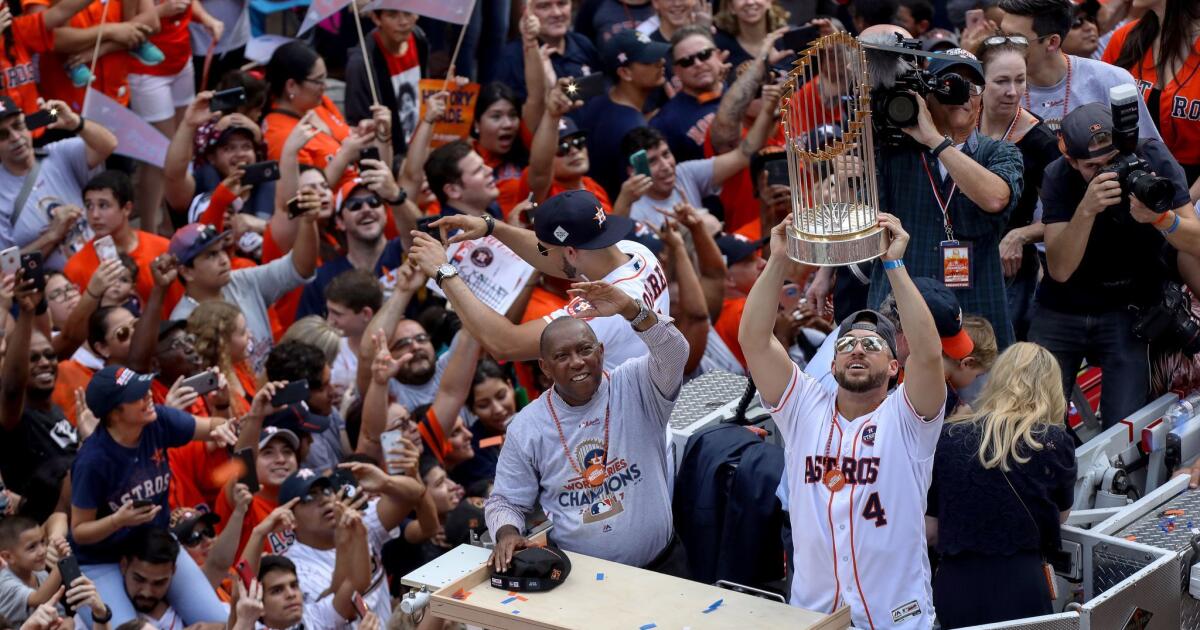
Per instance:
x=1181, y=411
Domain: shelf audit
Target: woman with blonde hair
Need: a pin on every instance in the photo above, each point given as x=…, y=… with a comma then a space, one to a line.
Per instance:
x=223, y=342
x=743, y=27
x=1003, y=481
x=315, y=331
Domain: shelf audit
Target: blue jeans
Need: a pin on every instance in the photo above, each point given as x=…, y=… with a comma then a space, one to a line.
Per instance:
x=1106, y=340
x=190, y=593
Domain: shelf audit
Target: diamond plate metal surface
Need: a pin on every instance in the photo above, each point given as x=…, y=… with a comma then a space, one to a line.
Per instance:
x=704, y=396
x=1172, y=532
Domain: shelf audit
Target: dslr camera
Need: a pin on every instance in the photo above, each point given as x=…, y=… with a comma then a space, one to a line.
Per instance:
x=1133, y=172
x=1170, y=325
x=895, y=78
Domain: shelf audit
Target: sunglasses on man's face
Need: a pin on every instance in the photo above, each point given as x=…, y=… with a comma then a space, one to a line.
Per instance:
x=1016, y=40
x=354, y=204
x=870, y=344
x=693, y=59
x=405, y=342
x=565, y=146
x=1080, y=19
x=198, y=535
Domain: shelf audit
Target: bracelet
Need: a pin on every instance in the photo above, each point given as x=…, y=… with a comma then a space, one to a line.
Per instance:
x=105, y=619
x=946, y=143
x=889, y=265
x=79, y=127
x=1174, y=225
x=89, y=292
x=1161, y=219
x=490, y=221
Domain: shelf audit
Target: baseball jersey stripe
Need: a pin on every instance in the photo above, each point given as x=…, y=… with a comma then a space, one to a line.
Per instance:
x=854, y=556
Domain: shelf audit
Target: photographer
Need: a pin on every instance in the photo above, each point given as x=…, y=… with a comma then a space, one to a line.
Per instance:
x=955, y=187
x=1103, y=256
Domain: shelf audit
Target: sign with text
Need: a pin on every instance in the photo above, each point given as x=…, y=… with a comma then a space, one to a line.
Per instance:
x=460, y=110
x=494, y=273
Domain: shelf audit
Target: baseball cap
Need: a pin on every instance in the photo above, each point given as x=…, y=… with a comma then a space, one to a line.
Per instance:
x=345, y=191
x=643, y=234
x=567, y=128
x=297, y=420
x=965, y=61
x=938, y=40
x=273, y=432
x=300, y=483
x=576, y=219
x=632, y=46
x=533, y=569
x=736, y=248
x=184, y=520
x=1082, y=125
x=214, y=137
x=8, y=107
x=947, y=316
x=192, y=239
x=165, y=327
x=871, y=321
x=113, y=386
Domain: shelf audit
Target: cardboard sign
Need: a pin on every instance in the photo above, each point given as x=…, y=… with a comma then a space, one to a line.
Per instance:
x=460, y=110
x=494, y=272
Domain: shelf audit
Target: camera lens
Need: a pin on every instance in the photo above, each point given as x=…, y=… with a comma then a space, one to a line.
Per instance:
x=901, y=109
x=1152, y=190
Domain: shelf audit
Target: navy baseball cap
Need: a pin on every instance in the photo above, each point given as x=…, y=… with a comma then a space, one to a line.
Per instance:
x=645, y=235
x=871, y=321
x=300, y=483
x=567, y=128
x=297, y=419
x=631, y=46
x=165, y=327
x=1081, y=126
x=938, y=40
x=736, y=248
x=114, y=386
x=276, y=433
x=532, y=569
x=966, y=61
x=8, y=107
x=576, y=219
x=192, y=239
x=947, y=316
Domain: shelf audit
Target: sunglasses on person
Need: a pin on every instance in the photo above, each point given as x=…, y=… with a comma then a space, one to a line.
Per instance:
x=1080, y=19
x=316, y=494
x=125, y=331
x=196, y=536
x=870, y=344
x=181, y=342
x=693, y=59
x=354, y=204
x=575, y=142
x=49, y=355
x=405, y=342
x=1016, y=40
x=13, y=130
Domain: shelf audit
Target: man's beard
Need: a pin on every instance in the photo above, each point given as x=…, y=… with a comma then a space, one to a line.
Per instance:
x=873, y=381
x=408, y=376
x=569, y=270
x=144, y=604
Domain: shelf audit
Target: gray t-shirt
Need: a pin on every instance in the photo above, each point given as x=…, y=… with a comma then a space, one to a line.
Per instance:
x=693, y=181
x=14, y=595
x=627, y=517
x=326, y=450
x=413, y=396
x=1090, y=81
x=253, y=290
x=64, y=172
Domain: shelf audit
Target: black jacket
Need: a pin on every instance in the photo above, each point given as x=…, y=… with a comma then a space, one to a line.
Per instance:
x=358, y=91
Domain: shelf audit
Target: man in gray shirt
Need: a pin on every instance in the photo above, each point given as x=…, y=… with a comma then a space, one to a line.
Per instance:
x=591, y=449
x=205, y=273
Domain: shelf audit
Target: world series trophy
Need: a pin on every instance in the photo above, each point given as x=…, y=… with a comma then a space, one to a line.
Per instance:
x=826, y=117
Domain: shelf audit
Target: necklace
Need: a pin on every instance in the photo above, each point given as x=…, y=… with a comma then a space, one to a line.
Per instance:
x=833, y=477
x=1012, y=125
x=1055, y=124
x=595, y=474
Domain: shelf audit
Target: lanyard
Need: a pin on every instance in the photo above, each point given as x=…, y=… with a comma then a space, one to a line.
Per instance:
x=944, y=205
x=583, y=474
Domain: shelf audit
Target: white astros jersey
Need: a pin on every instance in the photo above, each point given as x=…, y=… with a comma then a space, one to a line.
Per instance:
x=640, y=277
x=862, y=545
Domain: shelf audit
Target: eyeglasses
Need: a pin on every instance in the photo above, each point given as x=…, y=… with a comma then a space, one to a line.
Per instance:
x=317, y=80
x=13, y=130
x=355, y=204
x=565, y=146
x=402, y=421
x=1080, y=19
x=870, y=344
x=197, y=535
x=1016, y=40
x=49, y=355
x=316, y=494
x=542, y=249
x=405, y=342
x=693, y=59
x=63, y=293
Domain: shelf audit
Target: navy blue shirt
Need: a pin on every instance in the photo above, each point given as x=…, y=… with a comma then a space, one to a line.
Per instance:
x=483, y=464
x=606, y=123
x=579, y=58
x=684, y=122
x=312, y=300
x=106, y=475
x=599, y=20
x=261, y=202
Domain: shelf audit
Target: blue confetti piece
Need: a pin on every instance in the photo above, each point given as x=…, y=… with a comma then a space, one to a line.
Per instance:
x=713, y=606
x=509, y=600
x=648, y=626
x=599, y=577
x=516, y=612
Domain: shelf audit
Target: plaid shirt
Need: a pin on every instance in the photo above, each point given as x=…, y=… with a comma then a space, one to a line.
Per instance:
x=905, y=191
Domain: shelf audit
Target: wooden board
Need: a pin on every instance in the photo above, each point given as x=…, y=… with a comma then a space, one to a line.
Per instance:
x=626, y=597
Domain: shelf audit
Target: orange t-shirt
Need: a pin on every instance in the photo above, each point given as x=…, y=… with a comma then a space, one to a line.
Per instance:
x=80, y=267
x=727, y=326
x=1179, y=102
x=541, y=304
x=260, y=508
x=72, y=375
x=18, y=78
x=175, y=41
x=193, y=483
x=513, y=192
x=112, y=70
x=320, y=150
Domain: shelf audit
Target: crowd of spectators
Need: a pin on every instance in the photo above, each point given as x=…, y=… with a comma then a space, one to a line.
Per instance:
x=243, y=386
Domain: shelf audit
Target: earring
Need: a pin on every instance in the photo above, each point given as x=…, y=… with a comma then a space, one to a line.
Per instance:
x=291, y=95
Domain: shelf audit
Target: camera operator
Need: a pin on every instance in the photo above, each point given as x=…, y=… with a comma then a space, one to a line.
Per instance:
x=1103, y=253
x=953, y=187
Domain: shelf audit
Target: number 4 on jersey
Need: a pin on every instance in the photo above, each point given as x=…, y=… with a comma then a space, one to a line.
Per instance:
x=873, y=510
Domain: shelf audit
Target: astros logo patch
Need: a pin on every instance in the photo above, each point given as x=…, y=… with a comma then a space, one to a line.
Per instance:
x=868, y=435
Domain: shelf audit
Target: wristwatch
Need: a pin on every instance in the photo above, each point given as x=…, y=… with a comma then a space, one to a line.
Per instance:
x=400, y=199
x=445, y=271
x=642, y=314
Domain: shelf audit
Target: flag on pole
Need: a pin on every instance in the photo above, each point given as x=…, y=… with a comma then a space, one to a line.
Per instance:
x=454, y=11
x=136, y=138
x=318, y=11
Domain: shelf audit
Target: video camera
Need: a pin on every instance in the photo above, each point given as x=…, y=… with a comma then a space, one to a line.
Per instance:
x=1133, y=172
x=896, y=77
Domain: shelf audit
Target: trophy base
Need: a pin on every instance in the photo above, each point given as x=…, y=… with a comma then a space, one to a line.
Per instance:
x=824, y=251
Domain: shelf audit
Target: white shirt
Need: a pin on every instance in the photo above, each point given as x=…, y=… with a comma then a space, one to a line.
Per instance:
x=863, y=545
x=319, y=616
x=641, y=277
